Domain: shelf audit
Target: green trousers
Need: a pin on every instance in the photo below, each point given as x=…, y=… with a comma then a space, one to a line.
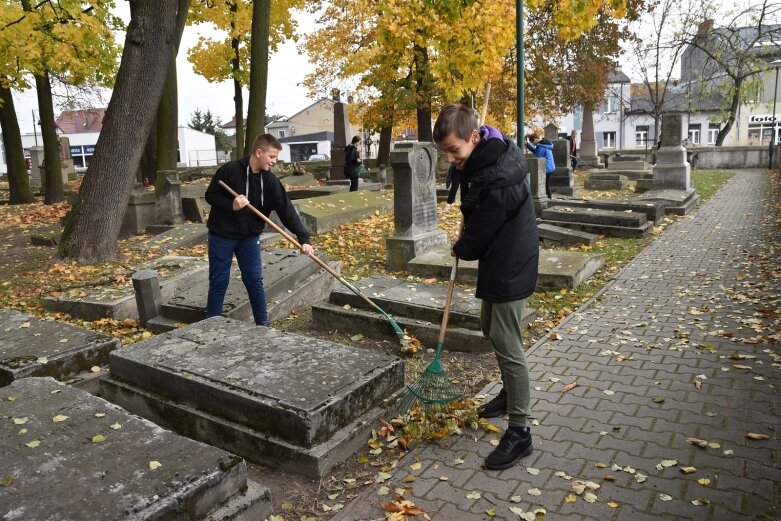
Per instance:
x=501, y=325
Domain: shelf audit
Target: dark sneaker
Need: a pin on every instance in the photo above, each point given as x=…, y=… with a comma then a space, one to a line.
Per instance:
x=494, y=408
x=512, y=447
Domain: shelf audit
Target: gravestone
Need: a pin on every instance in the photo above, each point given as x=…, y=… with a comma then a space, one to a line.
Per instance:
x=66, y=161
x=98, y=462
x=37, y=173
x=672, y=173
x=149, y=299
x=341, y=126
x=33, y=347
x=671, y=170
x=168, y=197
x=602, y=180
x=414, y=204
x=551, y=131
x=537, y=182
x=588, y=144
x=561, y=181
x=322, y=214
x=298, y=403
x=194, y=205
x=141, y=211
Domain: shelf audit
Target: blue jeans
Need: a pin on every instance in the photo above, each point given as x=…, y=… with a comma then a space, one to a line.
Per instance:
x=221, y=251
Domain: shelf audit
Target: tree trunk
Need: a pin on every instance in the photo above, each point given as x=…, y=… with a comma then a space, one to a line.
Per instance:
x=18, y=179
x=238, y=99
x=256, y=117
x=53, y=186
x=93, y=226
x=733, y=112
x=423, y=94
x=168, y=110
x=383, y=153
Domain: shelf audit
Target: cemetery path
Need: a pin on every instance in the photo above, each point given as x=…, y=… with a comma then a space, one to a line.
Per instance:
x=681, y=350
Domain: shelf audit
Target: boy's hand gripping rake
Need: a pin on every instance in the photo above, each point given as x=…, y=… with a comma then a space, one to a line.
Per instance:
x=399, y=332
x=432, y=388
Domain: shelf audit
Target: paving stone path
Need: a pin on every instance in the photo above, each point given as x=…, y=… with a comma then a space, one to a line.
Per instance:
x=699, y=305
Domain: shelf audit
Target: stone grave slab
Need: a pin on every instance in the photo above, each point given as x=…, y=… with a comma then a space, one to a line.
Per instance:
x=180, y=236
x=644, y=184
x=283, y=270
x=627, y=164
x=94, y=302
x=322, y=214
x=194, y=205
x=560, y=235
x=605, y=181
x=46, y=236
x=33, y=347
x=297, y=403
x=675, y=202
x=309, y=193
x=69, y=476
x=654, y=211
x=416, y=306
x=300, y=180
x=612, y=223
x=553, y=273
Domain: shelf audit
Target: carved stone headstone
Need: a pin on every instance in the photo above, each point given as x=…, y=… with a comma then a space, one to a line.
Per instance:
x=149, y=299
x=551, y=131
x=561, y=181
x=414, y=204
x=37, y=174
x=140, y=212
x=341, y=126
x=588, y=144
x=168, y=197
x=66, y=161
x=671, y=169
x=537, y=182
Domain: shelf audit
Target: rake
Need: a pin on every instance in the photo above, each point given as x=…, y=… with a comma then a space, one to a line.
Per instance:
x=432, y=388
x=403, y=338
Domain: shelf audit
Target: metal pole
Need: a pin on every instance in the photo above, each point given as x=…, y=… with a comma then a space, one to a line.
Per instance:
x=519, y=71
x=35, y=132
x=773, y=135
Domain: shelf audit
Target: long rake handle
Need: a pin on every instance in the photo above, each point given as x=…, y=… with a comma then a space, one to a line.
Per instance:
x=446, y=315
x=315, y=258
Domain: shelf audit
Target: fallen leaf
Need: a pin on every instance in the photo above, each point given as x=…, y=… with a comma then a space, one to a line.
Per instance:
x=115, y=426
x=94, y=369
x=657, y=399
x=98, y=438
x=701, y=501
x=589, y=497
x=570, y=498
x=491, y=512
x=33, y=444
x=704, y=482
x=100, y=414
x=20, y=421
x=640, y=477
x=532, y=471
x=154, y=465
x=612, y=504
x=409, y=479
x=42, y=360
x=474, y=495
x=698, y=442
x=665, y=497
x=515, y=499
x=59, y=418
x=534, y=492
x=757, y=437
x=7, y=480
x=688, y=470
x=383, y=491
x=416, y=466
x=526, y=516
x=569, y=387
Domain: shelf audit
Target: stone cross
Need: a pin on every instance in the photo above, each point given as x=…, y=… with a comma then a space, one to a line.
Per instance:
x=414, y=204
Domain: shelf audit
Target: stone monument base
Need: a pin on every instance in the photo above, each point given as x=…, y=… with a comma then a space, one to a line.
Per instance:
x=401, y=250
x=675, y=202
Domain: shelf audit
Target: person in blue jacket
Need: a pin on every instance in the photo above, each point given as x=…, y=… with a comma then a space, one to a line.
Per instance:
x=543, y=148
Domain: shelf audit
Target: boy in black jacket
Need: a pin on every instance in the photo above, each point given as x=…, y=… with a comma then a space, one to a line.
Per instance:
x=234, y=229
x=500, y=231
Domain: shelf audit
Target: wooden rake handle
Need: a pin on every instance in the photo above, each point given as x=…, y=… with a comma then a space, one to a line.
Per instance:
x=450, y=287
x=290, y=238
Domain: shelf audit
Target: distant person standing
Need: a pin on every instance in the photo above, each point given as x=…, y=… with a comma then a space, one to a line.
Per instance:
x=573, y=149
x=352, y=162
x=544, y=149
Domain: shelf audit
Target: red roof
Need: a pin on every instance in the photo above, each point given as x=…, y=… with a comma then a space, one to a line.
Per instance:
x=81, y=121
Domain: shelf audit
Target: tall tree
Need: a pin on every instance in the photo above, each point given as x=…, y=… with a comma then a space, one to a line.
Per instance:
x=728, y=60
x=258, y=76
x=18, y=180
x=94, y=222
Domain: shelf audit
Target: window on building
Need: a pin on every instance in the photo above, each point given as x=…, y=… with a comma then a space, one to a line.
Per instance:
x=713, y=132
x=610, y=105
x=641, y=134
x=694, y=133
x=608, y=140
x=281, y=133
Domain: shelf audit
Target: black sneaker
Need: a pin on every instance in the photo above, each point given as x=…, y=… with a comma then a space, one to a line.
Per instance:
x=494, y=408
x=512, y=447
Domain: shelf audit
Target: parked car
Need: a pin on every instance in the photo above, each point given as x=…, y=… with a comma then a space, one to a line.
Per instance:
x=319, y=157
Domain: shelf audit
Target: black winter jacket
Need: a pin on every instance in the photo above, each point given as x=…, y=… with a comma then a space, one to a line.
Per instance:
x=500, y=227
x=351, y=164
x=244, y=223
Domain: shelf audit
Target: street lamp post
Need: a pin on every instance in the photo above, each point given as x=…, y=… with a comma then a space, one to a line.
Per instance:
x=776, y=64
x=35, y=131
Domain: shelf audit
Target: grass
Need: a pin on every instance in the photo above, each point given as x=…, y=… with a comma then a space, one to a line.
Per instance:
x=708, y=182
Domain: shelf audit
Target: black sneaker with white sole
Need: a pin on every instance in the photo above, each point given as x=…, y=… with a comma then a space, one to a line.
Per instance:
x=512, y=447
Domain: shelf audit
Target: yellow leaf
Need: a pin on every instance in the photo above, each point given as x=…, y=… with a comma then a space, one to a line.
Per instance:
x=570, y=498
x=33, y=444
x=95, y=369
x=491, y=512
x=20, y=421
x=115, y=426
x=612, y=504
x=704, y=482
x=100, y=414
x=416, y=466
x=154, y=465
x=98, y=438
x=7, y=480
x=24, y=325
x=59, y=418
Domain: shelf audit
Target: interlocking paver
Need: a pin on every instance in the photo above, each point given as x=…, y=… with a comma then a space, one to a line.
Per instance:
x=702, y=295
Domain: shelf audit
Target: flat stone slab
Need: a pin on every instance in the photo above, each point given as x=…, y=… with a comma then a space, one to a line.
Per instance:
x=69, y=476
x=320, y=191
x=181, y=236
x=49, y=236
x=322, y=214
x=653, y=210
x=594, y=216
x=415, y=306
x=119, y=301
x=559, y=234
x=676, y=202
x=283, y=270
x=557, y=269
x=300, y=180
x=602, y=181
x=298, y=403
x=627, y=165
x=33, y=347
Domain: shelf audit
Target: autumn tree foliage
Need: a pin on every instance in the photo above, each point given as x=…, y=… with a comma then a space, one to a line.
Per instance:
x=375, y=47
x=228, y=58
x=41, y=43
